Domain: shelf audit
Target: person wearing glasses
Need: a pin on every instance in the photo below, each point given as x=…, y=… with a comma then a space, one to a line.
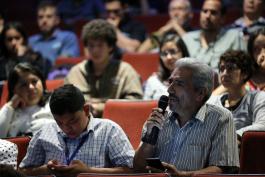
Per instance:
x=172, y=48
x=130, y=34
x=247, y=107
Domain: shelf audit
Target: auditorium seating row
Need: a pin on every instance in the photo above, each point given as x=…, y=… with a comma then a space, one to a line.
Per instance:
x=145, y=63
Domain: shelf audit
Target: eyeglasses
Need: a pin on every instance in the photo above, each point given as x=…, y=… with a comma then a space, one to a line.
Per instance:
x=172, y=52
x=229, y=67
x=114, y=11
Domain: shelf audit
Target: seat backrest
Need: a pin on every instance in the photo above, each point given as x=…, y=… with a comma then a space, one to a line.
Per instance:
x=22, y=144
x=144, y=63
x=252, y=152
x=68, y=60
x=124, y=175
x=53, y=84
x=130, y=115
x=4, y=95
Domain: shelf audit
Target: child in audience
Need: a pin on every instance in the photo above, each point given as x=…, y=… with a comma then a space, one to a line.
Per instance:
x=172, y=48
x=26, y=110
x=247, y=107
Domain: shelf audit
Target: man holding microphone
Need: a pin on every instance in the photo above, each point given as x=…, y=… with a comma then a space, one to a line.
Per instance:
x=191, y=136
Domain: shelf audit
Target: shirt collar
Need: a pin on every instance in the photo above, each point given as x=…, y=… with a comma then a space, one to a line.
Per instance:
x=53, y=36
x=200, y=115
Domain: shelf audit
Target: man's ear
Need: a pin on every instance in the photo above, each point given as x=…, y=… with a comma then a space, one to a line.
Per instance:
x=86, y=108
x=201, y=94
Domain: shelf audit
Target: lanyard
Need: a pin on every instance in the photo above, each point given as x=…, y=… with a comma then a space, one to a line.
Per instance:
x=69, y=159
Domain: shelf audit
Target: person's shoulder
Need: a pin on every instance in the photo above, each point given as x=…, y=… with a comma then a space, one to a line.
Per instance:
x=191, y=35
x=218, y=110
x=65, y=33
x=105, y=123
x=34, y=37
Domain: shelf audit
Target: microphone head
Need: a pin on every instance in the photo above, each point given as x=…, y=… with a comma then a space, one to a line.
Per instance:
x=163, y=102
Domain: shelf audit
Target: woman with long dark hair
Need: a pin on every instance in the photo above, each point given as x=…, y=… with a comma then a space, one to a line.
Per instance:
x=172, y=48
x=27, y=107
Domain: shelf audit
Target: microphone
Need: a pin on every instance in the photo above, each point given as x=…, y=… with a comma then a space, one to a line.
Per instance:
x=152, y=138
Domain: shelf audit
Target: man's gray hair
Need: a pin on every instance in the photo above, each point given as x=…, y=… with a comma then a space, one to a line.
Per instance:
x=202, y=74
x=188, y=4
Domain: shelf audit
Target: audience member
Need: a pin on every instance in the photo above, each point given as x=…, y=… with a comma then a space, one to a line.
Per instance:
x=52, y=42
x=195, y=137
x=130, y=33
x=26, y=110
x=256, y=48
x=101, y=78
x=172, y=48
x=8, y=171
x=74, y=10
x=252, y=17
x=78, y=142
x=208, y=43
x=180, y=13
x=247, y=107
x=15, y=50
x=8, y=154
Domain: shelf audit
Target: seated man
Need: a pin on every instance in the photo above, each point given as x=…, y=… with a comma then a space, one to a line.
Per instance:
x=130, y=33
x=77, y=142
x=180, y=14
x=53, y=42
x=208, y=43
x=194, y=137
x=102, y=77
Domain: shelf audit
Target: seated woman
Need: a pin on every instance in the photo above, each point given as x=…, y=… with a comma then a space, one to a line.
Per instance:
x=256, y=48
x=26, y=110
x=8, y=153
x=172, y=48
x=14, y=50
x=247, y=107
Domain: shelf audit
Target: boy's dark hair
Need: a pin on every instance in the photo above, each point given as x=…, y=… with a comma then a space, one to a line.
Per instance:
x=9, y=171
x=66, y=99
x=99, y=30
x=14, y=77
x=241, y=59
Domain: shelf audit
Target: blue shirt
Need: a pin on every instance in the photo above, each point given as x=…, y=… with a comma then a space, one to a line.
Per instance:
x=106, y=146
x=61, y=43
x=208, y=139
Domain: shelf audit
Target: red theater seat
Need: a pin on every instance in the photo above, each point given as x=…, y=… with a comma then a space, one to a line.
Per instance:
x=252, y=153
x=130, y=115
x=144, y=63
x=22, y=144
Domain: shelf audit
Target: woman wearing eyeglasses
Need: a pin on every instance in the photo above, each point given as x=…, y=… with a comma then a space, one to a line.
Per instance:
x=247, y=107
x=172, y=48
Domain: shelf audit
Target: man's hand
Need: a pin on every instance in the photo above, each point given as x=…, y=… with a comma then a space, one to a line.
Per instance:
x=168, y=169
x=156, y=118
x=75, y=167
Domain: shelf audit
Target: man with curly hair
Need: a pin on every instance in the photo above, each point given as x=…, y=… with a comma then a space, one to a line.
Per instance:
x=102, y=77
